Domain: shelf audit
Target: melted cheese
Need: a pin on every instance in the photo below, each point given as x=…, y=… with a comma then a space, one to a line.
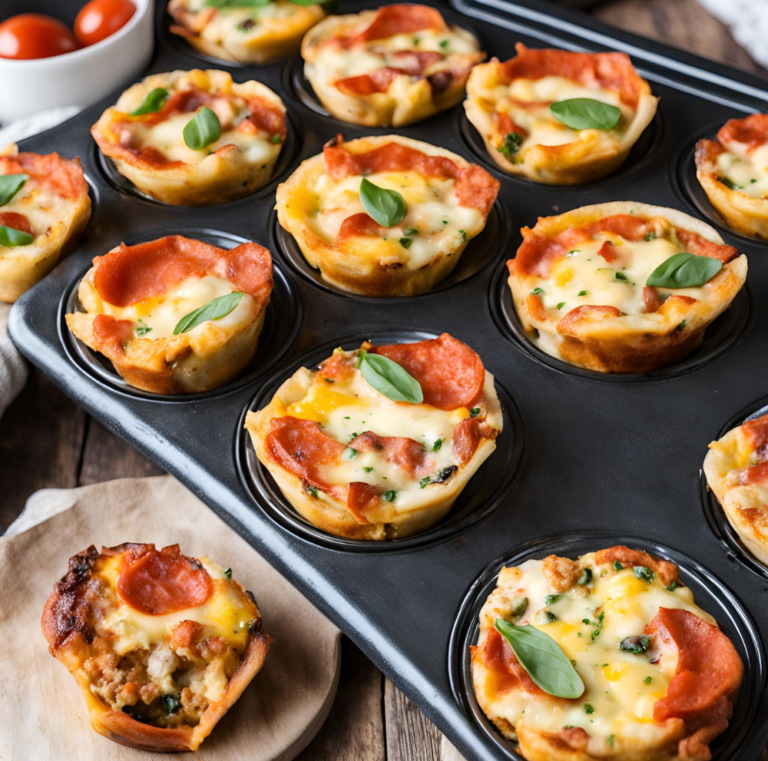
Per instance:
x=345, y=409
x=331, y=64
x=259, y=20
x=162, y=314
x=746, y=171
x=621, y=687
x=431, y=208
x=584, y=277
x=223, y=615
x=542, y=127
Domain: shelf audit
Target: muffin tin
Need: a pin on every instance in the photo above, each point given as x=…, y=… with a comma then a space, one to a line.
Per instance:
x=594, y=459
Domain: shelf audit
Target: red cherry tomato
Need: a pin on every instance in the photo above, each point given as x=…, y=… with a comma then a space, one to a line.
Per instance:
x=101, y=18
x=32, y=35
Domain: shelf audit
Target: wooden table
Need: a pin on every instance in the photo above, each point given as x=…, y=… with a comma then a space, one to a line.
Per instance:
x=46, y=441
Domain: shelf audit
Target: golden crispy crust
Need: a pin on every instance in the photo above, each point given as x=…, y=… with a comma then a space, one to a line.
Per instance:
x=364, y=273
x=629, y=343
x=332, y=515
x=596, y=154
x=268, y=40
x=24, y=266
x=225, y=175
x=406, y=101
x=745, y=215
x=69, y=639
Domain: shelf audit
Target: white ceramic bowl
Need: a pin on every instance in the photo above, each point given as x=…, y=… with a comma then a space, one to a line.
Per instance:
x=79, y=78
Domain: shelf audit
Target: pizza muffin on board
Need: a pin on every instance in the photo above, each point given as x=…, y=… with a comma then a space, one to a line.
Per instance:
x=385, y=216
x=622, y=287
x=736, y=468
x=44, y=208
x=733, y=170
x=192, y=138
x=604, y=657
x=246, y=32
x=390, y=67
x=161, y=644
x=378, y=443
x=175, y=315
x=558, y=117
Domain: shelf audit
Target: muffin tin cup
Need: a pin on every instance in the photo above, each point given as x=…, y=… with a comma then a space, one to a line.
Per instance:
x=493, y=482
x=709, y=593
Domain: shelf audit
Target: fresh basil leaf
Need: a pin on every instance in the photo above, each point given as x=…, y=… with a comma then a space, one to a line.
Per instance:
x=586, y=113
x=511, y=145
x=202, y=130
x=389, y=378
x=227, y=4
x=10, y=184
x=542, y=658
x=684, y=270
x=386, y=207
x=152, y=103
x=11, y=237
x=215, y=309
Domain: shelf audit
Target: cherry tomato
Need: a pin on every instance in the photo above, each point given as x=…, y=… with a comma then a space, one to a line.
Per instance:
x=32, y=35
x=101, y=18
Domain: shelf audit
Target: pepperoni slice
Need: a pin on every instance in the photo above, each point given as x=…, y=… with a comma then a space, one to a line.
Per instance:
x=399, y=450
x=475, y=188
x=134, y=273
x=415, y=62
x=267, y=117
x=179, y=102
x=708, y=673
x=338, y=367
x=610, y=71
x=16, y=221
x=506, y=672
x=507, y=126
x=695, y=244
x=607, y=252
x=651, y=299
x=572, y=323
x=401, y=19
x=357, y=225
x=666, y=571
x=757, y=474
x=111, y=335
x=756, y=432
x=368, y=84
x=467, y=436
x=751, y=131
x=301, y=448
x=162, y=582
x=361, y=498
x=63, y=177
x=451, y=374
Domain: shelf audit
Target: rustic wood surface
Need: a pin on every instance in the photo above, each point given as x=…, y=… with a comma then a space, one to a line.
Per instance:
x=46, y=441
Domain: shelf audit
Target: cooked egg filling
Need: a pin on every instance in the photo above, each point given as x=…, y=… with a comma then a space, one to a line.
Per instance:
x=590, y=623
x=42, y=208
x=434, y=224
x=743, y=170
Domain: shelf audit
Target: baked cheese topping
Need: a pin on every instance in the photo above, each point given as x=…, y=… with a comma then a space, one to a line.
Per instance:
x=582, y=276
x=246, y=21
x=157, y=316
x=527, y=102
x=42, y=208
x=745, y=170
x=598, y=626
x=745, y=453
x=432, y=209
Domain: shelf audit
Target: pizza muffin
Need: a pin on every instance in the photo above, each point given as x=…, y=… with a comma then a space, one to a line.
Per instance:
x=44, y=208
x=245, y=32
x=379, y=442
x=175, y=315
x=161, y=644
x=604, y=657
x=736, y=468
x=733, y=170
x=390, y=67
x=622, y=287
x=385, y=216
x=558, y=117
x=191, y=138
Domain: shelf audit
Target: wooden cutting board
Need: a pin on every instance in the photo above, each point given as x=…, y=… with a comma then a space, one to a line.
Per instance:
x=43, y=713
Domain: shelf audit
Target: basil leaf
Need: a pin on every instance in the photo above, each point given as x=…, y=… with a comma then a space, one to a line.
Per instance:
x=152, y=103
x=684, y=270
x=11, y=237
x=585, y=113
x=215, y=309
x=387, y=207
x=204, y=129
x=542, y=658
x=389, y=378
x=226, y=4
x=10, y=184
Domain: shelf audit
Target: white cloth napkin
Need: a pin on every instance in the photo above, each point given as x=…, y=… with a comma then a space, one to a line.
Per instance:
x=748, y=20
x=13, y=369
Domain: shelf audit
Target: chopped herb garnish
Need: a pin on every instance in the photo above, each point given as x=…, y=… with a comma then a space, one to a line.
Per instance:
x=610, y=740
x=329, y=380
x=463, y=236
x=443, y=43
x=410, y=231
x=550, y=616
x=551, y=599
x=586, y=621
x=673, y=585
x=511, y=145
x=595, y=634
x=367, y=468
x=585, y=578
x=537, y=291
x=406, y=242
x=519, y=609
x=416, y=40
x=650, y=236
x=635, y=645
x=752, y=182
x=436, y=446
x=390, y=495
x=648, y=680
x=644, y=574
x=312, y=490
x=143, y=328
x=588, y=709
x=618, y=566
x=582, y=293
x=171, y=703
x=426, y=481
x=561, y=305
x=474, y=412
x=681, y=325
x=228, y=573
x=621, y=276
x=275, y=139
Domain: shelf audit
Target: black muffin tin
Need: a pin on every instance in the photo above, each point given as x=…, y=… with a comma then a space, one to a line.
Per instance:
x=585, y=460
